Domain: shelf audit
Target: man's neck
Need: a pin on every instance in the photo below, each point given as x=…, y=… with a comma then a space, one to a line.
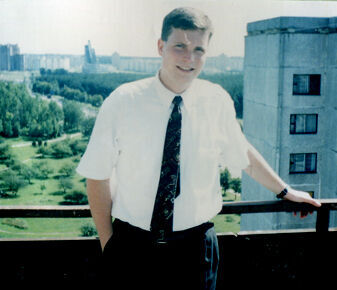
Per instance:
x=174, y=87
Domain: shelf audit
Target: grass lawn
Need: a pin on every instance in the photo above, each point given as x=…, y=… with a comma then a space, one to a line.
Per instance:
x=27, y=228
x=24, y=153
x=227, y=223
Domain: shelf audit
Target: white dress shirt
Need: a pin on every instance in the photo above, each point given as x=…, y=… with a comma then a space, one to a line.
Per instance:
x=127, y=143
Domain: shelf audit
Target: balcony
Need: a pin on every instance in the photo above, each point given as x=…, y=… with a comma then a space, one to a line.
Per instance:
x=287, y=258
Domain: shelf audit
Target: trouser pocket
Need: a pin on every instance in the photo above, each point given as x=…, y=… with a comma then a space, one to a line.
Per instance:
x=108, y=245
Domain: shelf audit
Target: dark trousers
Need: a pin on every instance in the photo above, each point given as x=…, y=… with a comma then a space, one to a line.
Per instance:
x=189, y=260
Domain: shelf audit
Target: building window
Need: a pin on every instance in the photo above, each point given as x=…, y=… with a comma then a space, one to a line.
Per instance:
x=312, y=193
x=307, y=85
x=303, y=163
x=303, y=123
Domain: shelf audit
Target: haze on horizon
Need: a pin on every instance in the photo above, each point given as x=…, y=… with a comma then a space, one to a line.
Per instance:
x=132, y=27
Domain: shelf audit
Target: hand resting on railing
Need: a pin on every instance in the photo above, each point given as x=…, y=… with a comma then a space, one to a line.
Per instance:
x=260, y=170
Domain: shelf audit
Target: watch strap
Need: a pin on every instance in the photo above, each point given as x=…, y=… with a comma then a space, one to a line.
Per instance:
x=283, y=193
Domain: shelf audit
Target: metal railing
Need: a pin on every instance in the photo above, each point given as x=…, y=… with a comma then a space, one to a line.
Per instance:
x=323, y=212
x=236, y=207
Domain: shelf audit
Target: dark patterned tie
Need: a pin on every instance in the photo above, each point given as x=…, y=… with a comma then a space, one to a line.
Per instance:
x=168, y=189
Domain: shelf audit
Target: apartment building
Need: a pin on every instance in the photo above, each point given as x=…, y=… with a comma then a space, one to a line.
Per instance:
x=10, y=58
x=290, y=110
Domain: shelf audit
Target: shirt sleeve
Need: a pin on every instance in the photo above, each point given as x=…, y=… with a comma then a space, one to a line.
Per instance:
x=234, y=149
x=101, y=153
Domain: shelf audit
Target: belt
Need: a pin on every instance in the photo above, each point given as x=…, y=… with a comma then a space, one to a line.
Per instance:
x=124, y=229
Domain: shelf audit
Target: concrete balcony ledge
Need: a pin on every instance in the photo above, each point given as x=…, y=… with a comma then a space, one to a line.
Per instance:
x=263, y=259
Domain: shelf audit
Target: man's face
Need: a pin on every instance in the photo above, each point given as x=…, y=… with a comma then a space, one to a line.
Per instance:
x=183, y=56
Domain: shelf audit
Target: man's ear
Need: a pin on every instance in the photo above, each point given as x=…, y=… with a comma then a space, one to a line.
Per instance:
x=160, y=45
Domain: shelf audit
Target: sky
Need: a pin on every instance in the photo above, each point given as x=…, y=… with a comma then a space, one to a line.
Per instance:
x=132, y=27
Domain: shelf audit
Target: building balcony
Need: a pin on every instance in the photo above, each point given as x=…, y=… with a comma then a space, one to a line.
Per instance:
x=287, y=258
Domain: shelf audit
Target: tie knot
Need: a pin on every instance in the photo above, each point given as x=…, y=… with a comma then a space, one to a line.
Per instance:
x=177, y=100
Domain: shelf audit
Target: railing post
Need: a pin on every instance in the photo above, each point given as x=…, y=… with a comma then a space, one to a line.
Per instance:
x=323, y=220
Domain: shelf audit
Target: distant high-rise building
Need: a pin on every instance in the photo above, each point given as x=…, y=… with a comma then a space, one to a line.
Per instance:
x=17, y=62
x=89, y=52
x=90, y=61
x=10, y=57
x=4, y=57
x=290, y=110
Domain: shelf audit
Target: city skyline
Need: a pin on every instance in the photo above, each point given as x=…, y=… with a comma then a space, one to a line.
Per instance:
x=127, y=27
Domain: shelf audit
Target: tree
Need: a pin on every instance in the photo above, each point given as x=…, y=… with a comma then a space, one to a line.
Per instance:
x=42, y=169
x=225, y=178
x=60, y=150
x=47, y=121
x=10, y=105
x=44, y=151
x=96, y=100
x=76, y=197
x=235, y=184
x=77, y=146
x=27, y=172
x=73, y=116
x=56, y=119
x=60, y=71
x=68, y=169
x=5, y=153
x=12, y=181
x=20, y=114
x=55, y=110
x=65, y=184
x=87, y=125
x=42, y=87
x=73, y=94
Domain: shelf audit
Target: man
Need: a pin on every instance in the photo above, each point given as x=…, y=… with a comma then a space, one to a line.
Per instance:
x=161, y=237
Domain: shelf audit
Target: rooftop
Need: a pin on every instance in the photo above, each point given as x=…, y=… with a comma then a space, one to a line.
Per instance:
x=293, y=25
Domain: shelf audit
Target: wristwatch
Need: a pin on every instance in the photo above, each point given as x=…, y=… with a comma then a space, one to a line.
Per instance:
x=283, y=193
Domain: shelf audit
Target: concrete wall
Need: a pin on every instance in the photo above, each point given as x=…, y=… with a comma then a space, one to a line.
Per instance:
x=261, y=74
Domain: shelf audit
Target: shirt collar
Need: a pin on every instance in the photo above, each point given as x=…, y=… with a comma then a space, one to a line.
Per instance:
x=166, y=96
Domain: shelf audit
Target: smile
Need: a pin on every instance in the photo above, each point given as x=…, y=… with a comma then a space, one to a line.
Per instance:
x=185, y=69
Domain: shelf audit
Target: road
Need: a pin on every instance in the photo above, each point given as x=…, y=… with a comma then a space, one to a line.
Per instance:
x=49, y=141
